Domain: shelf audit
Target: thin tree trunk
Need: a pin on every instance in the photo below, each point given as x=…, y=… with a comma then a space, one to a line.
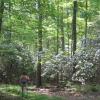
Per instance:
x=39, y=80
x=74, y=34
x=86, y=22
x=62, y=32
x=58, y=40
x=54, y=41
x=1, y=13
x=69, y=51
x=68, y=46
x=48, y=43
x=57, y=51
x=9, y=30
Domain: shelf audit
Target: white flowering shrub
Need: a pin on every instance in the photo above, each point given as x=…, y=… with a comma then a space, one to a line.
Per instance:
x=80, y=67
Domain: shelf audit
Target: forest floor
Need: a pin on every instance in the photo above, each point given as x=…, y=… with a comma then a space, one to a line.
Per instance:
x=68, y=94
x=49, y=94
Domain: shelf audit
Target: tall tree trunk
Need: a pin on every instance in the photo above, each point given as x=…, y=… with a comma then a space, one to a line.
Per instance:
x=74, y=34
x=62, y=31
x=7, y=36
x=39, y=81
x=69, y=51
x=62, y=38
x=57, y=51
x=9, y=30
x=1, y=13
x=86, y=22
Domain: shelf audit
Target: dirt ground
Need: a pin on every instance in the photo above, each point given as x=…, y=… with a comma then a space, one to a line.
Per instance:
x=66, y=94
x=77, y=96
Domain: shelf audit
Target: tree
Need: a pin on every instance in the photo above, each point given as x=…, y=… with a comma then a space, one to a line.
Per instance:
x=1, y=12
x=86, y=20
x=58, y=17
x=40, y=16
x=62, y=29
x=74, y=33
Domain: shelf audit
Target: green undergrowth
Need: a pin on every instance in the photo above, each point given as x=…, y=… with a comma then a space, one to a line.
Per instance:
x=16, y=91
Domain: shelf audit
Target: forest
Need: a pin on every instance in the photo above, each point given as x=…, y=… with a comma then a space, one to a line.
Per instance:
x=49, y=49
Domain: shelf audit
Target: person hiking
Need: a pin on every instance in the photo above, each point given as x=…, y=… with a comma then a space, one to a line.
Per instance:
x=24, y=79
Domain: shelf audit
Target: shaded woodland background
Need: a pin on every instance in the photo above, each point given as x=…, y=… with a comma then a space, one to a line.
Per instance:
x=54, y=41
